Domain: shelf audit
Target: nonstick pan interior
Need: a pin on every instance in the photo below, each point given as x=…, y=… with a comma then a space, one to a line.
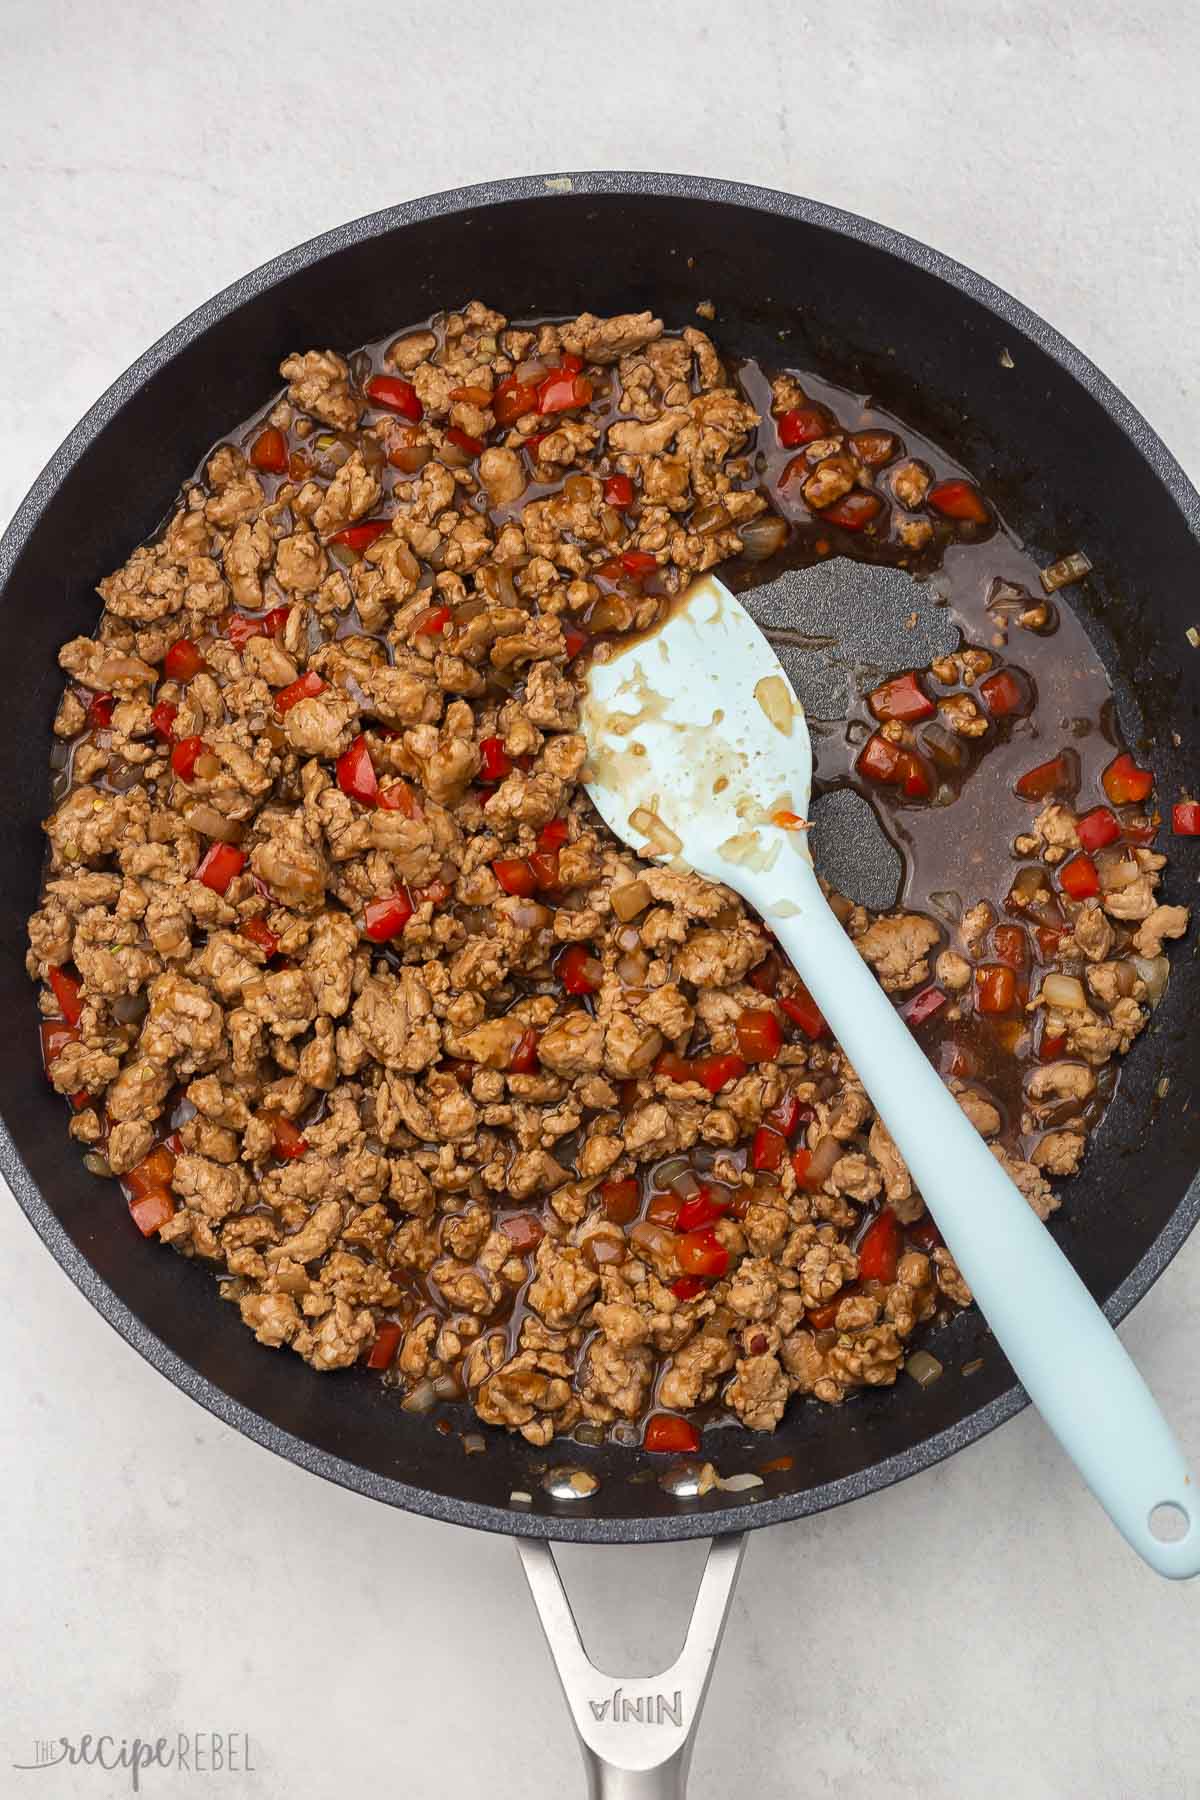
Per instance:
x=1069, y=463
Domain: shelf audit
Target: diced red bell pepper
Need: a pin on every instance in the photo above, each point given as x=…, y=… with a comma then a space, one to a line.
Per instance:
x=513, y=399
x=1098, y=828
x=1048, y=939
x=700, y=1209
x=579, y=970
x=462, y=440
x=306, y=688
x=924, y=1005
x=288, y=1141
x=360, y=537
x=1079, y=878
x=1058, y=776
x=714, y=1072
x=386, y=918
x=787, y=1115
x=514, y=875
x=434, y=623
x=1125, y=783
x=759, y=1035
x=544, y=864
x=673, y=1067
x=801, y=1160
x=803, y=1011
x=182, y=660
x=618, y=492
x=574, y=640
x=382, y=1353
x=563, y=390
x=219, y=865
x=802, y=425
x=880, y=760
x=959, y=500
x=687, y=1287
x=824, y=1318
x=533, y=445
x=768, y=1150
x=269, y=452
x=68, y=991
x=669, y=1435
x=494, y=761
x=100, y=711
x=701, y=1253
x=621, y=1200
x=902, y=698
x=1051, y=1048
x=162, y=717
x=185, y=755
x=523, y=1232
x=399, y=797
x=854, y=510
x=553, y=835
x=1012, y=946
x=995, y=988
x=638, y=563
x=765, y=975
x=1185, y=818
x=356, y=773
x=240, y=628
x=394, y=395
x=1004, y=695
x=56, y=1035
x=524, y=1059
x=879, y=1251
x=151, y=1210
x=154, y=1170
x=260, y=933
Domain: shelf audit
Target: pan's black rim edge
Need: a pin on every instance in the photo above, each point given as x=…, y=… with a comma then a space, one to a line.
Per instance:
x=564, y=1527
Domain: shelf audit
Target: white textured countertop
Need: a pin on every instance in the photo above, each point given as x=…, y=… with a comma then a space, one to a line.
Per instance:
x=977, y=1632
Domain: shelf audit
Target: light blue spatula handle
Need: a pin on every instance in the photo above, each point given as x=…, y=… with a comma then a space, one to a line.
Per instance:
x=1065, y=1353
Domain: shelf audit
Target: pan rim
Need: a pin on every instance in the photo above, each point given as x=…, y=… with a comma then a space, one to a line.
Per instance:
x=570, y=1527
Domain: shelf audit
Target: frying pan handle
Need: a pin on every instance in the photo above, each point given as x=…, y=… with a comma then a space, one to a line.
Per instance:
x=1062, y=1348
x=636, y=1733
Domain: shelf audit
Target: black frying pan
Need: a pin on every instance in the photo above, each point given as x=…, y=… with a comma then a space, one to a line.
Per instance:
x=1068, y=460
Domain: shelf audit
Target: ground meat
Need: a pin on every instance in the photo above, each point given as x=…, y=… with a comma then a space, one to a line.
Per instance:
x=399, y=1040
x=897, y=948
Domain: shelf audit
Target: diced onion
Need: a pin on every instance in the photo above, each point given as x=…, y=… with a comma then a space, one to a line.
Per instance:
x=589, y=1433
x=206, y=818
x=446, y=1387
x=1065, y=571
x=95, y=1164
x=628, y=901
x=1064, y=992
x=826, y=1154
x=632, y=968
x=1155, y=972
x=410, y=458
x=739, y=1484
x=684, y=1182
x=421, y=1398
x=924, y=1368
x=762, y=537
x=1117, y=872
x=656, y=831
x=473, y=1443
x=709, y=518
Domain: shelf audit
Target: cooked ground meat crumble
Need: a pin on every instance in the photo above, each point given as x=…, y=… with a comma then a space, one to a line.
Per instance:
x=349, y=985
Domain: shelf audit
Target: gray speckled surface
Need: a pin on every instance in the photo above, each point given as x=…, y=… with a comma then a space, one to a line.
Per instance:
x=978, y=1631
